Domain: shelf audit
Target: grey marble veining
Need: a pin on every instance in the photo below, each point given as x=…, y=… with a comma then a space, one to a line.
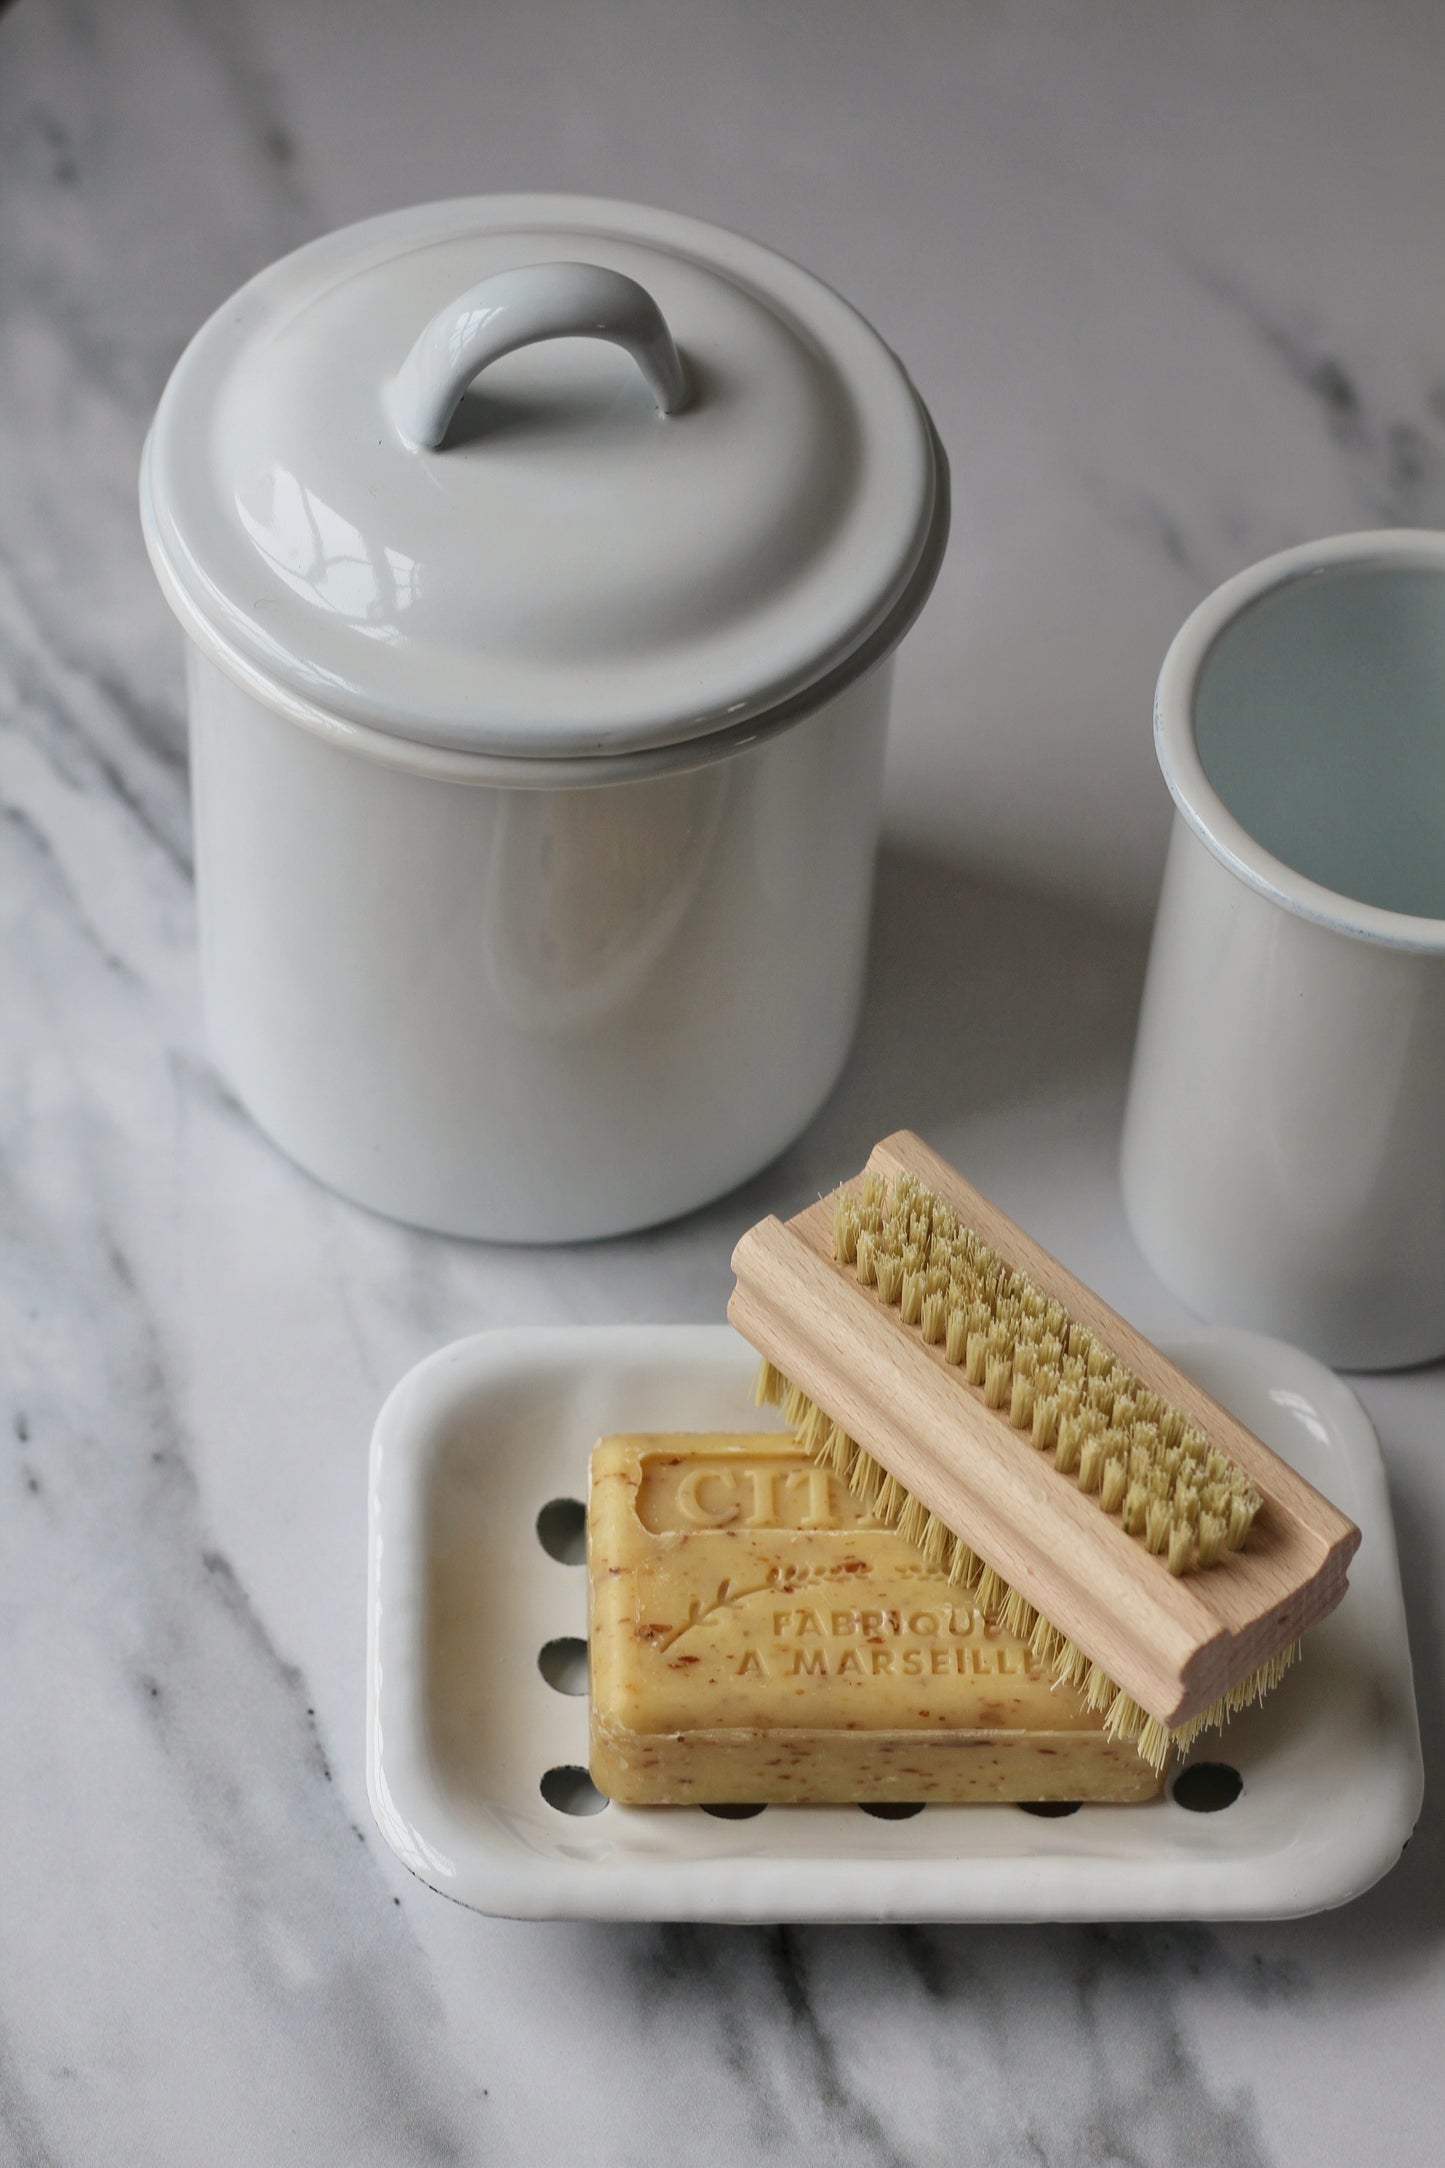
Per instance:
x=1172, y=288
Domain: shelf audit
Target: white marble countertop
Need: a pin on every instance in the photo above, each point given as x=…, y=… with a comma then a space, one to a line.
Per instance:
x=1171, y=282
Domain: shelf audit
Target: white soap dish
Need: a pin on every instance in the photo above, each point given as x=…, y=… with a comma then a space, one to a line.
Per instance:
x=476, y=1680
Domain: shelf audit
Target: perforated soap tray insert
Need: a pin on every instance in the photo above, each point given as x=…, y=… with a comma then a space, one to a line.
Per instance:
x=477, y=1710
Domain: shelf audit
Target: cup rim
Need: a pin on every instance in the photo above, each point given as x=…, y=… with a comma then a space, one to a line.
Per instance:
x=1218, y=829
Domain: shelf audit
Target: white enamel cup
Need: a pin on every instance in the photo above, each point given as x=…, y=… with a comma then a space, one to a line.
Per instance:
x=541, y=561
x=1284, y=1139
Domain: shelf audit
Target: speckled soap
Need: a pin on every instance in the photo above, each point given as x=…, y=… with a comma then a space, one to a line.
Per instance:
x=753, y=1636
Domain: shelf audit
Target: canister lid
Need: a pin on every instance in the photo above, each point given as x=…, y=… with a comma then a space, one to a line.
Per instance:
x=540, y=475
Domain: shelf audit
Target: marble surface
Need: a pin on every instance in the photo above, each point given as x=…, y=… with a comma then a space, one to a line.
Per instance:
x=1171, y=283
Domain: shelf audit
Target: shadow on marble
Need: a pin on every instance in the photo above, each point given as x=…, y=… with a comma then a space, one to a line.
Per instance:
x=981, y=996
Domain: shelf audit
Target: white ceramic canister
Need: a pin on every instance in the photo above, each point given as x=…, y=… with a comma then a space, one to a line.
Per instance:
x=542, y=560
x=1284, y=1141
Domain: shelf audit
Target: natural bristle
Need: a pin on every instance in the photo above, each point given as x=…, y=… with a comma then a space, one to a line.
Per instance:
x=1046, y=1374
x=895, y=1507
x=770, y=1387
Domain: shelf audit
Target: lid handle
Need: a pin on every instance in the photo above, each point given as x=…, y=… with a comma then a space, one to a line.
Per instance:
x=520, y=308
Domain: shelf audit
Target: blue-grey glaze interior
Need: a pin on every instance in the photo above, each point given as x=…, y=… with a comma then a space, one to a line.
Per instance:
x=1320, y=721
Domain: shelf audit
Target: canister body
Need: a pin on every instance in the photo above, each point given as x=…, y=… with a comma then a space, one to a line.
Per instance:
x=533, y=1012
x=1284, y=1147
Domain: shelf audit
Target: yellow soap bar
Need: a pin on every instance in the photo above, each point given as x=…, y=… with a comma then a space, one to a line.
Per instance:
x=755, y=1636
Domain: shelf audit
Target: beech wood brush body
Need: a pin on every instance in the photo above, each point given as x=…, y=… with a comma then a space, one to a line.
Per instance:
x=990, y=1406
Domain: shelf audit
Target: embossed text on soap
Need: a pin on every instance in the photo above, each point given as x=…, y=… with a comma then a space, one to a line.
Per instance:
x=678, y=1495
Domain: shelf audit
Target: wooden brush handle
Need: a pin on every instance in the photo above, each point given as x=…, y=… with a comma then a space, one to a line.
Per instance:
x=1175, y=1644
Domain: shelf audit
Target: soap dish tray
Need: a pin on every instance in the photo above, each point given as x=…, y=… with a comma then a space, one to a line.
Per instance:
x=476, y=1680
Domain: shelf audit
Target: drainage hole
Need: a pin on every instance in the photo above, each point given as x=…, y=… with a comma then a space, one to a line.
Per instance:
x=735, y=1810
x=892, y=1810
x=563, y=1664
x=562, y=1530
x=571, y=1791
x=1050, y=1809
x=1208, y=1787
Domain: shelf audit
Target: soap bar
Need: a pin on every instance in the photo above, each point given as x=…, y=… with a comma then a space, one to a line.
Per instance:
x=755, y=1636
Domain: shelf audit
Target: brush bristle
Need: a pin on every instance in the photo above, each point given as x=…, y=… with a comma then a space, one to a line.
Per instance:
x=1046, y=1374
x=897, y=1508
